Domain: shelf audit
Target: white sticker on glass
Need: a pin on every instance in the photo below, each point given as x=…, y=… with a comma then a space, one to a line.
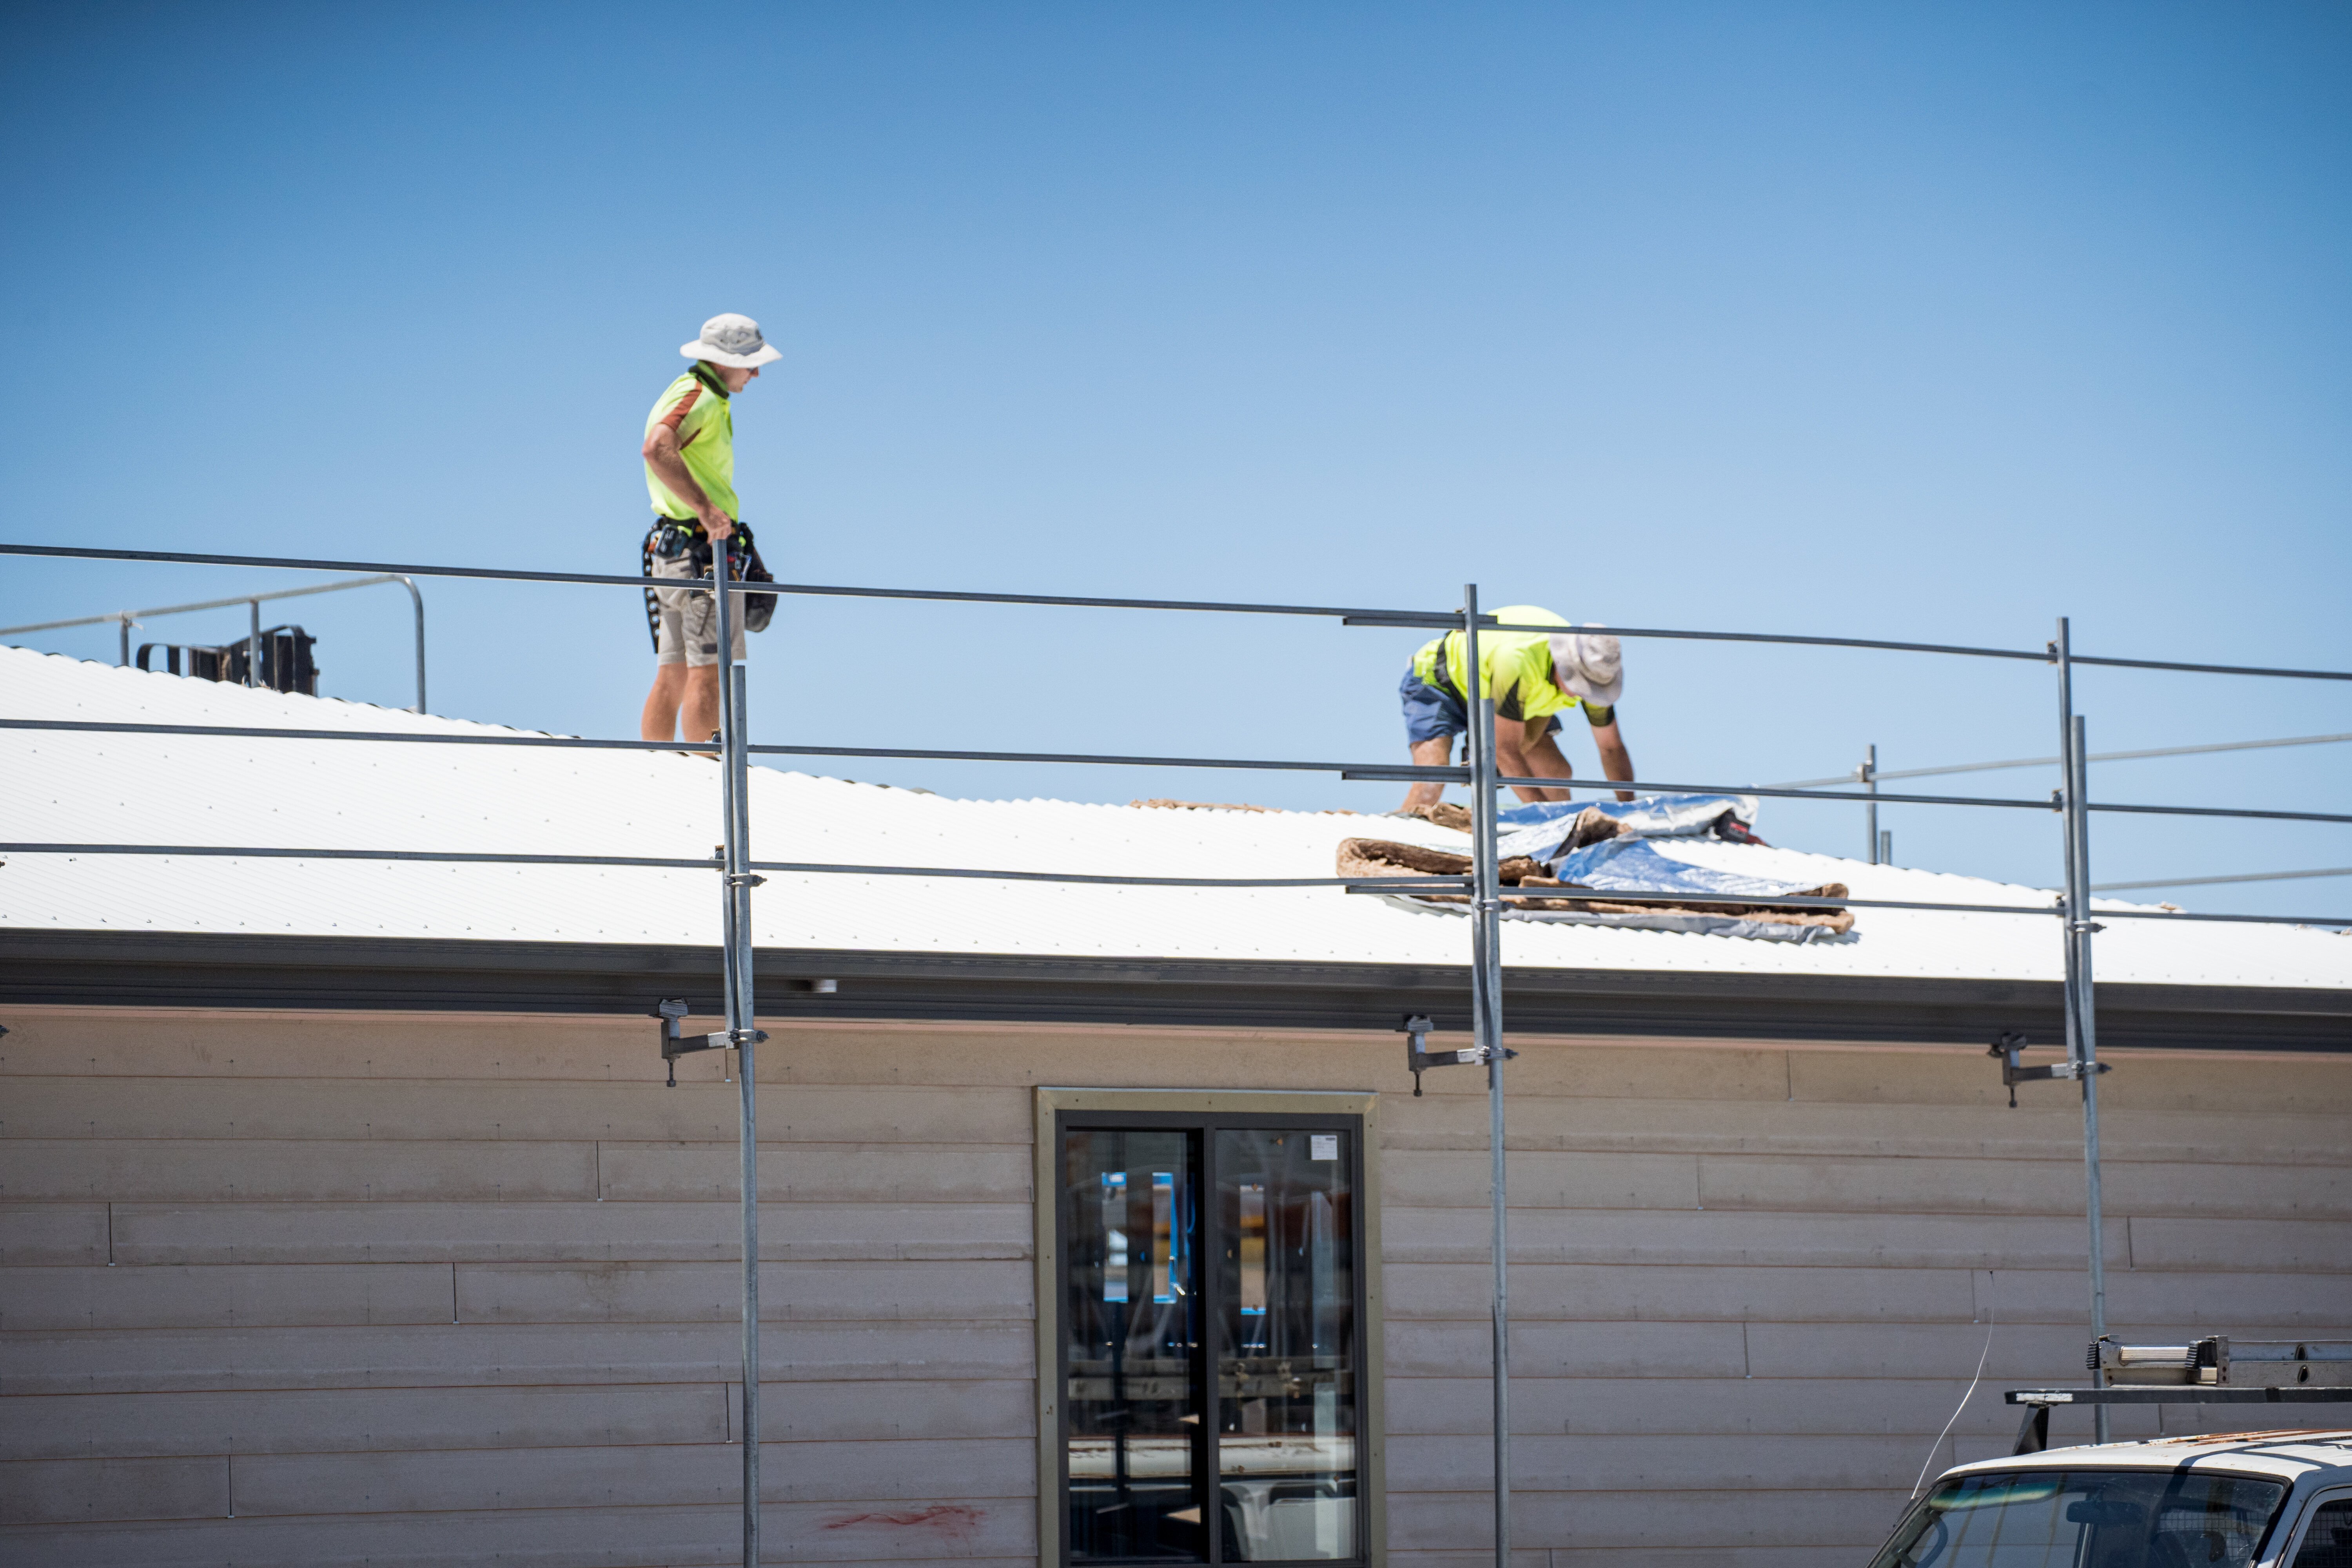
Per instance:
x=1323, y=1145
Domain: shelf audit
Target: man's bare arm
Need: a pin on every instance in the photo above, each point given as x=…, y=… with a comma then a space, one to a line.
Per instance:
x=1616, y=762
x=661, y=455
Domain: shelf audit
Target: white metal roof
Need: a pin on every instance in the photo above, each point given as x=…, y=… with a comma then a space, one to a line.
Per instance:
x=65, y=787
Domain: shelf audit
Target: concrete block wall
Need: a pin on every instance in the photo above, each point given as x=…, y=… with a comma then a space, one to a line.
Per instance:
x=281, y=1288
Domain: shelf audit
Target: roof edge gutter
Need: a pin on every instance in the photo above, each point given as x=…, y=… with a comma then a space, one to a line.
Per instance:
x=152, y=969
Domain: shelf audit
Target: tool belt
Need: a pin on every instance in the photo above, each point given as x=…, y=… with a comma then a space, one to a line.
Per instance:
x=669, y=539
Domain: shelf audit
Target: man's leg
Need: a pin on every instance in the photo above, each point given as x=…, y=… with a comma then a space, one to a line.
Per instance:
x=1538, y=758
x=660, y=720
x=1433, y=753
x=701, y=717
x=688, y=690
x=1432, y=718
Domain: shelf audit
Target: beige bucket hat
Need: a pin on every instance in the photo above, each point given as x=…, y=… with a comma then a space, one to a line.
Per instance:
x=1590, y=663
x=731, y=340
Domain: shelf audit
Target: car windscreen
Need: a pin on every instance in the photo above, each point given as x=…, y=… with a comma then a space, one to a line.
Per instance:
x=2087, y=1518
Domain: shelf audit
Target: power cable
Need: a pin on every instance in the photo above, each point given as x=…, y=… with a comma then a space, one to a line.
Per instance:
x=1992, y=1319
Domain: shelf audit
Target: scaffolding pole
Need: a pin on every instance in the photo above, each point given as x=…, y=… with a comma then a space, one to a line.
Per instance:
x=2082, y=1012
x=1868, y=774
x=737, y=880
x=1487, y=1020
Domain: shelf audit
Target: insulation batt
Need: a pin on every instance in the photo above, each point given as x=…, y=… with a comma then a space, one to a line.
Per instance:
x=1608, y=847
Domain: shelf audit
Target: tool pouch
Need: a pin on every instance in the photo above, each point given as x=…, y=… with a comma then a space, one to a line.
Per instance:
x=743, y=565
x=759, y=609
x=658, y=542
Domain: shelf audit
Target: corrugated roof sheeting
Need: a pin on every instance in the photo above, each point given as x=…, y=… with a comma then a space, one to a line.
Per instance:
x=85, y=787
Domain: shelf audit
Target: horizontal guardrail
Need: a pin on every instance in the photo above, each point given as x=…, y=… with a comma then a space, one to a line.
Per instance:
x=1409, y=885
x=1356, y=771
x=1351, y=771
x=1347, y=617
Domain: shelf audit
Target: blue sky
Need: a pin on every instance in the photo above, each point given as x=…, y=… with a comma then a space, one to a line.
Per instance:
x=1898, y=322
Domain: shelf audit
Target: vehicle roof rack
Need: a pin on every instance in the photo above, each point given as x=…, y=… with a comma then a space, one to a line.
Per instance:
x=2277, y=1371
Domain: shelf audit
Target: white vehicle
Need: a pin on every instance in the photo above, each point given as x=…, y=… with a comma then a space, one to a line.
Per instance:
x=2243, y=1500
x=2247, y=1499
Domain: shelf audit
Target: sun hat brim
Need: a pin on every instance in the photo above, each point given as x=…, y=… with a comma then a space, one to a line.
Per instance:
x=1579, y=659
x=768, y=354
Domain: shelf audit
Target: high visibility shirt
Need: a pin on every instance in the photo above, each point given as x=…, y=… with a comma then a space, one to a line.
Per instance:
x=695, y=407
x=1515, y=668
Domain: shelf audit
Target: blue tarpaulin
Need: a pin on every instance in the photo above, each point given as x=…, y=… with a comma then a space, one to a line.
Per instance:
x=1536, y=830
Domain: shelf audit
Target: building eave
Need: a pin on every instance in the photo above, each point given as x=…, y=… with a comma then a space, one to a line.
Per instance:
x=210, y=970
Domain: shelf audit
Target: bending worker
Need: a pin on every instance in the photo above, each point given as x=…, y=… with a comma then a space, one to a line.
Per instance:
x=1534, y=677
x=689, y=453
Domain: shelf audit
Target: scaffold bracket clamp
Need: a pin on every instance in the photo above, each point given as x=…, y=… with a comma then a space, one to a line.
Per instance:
x=676, y=1043
x=1418, y=1060
x=2005, y=1050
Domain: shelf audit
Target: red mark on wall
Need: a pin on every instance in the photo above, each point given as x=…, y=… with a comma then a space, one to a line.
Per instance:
x=956, y=1521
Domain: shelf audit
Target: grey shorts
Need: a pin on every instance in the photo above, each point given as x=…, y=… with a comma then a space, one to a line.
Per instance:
x=689, y=634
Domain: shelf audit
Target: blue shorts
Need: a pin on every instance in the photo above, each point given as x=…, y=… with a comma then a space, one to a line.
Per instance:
x=1438, y=712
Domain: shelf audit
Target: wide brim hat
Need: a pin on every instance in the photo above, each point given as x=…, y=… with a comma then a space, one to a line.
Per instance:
x=1590, y=663
x=731, y=340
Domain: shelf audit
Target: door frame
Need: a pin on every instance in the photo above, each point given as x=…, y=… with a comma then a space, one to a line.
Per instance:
x=2300, y=1525
x=1045, y=1202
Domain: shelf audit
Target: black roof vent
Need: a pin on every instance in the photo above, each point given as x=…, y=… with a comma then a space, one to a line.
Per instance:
x=286, y=661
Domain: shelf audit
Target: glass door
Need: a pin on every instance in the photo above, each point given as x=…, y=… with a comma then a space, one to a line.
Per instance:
x=1212, y=1294
x=1287, y=1345
x=1131, y=1328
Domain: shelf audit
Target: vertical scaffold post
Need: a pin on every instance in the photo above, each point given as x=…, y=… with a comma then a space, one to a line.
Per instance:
x=2081, y=1012
x=1486, y=1018
x=253, y=644
x=1869, y=773
x=736, y=927
x=2086, y=1032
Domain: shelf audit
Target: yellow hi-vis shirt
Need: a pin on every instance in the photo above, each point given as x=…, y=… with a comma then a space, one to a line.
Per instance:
x=695, y=407
x=1515, y=668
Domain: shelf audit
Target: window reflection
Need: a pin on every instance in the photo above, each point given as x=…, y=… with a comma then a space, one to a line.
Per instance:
x=2095, y=1518
x=1137, y=1448
x=1285, y=1373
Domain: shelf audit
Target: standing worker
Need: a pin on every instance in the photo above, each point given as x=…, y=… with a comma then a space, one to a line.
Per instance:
x=1533, y=677
x=689, y=453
